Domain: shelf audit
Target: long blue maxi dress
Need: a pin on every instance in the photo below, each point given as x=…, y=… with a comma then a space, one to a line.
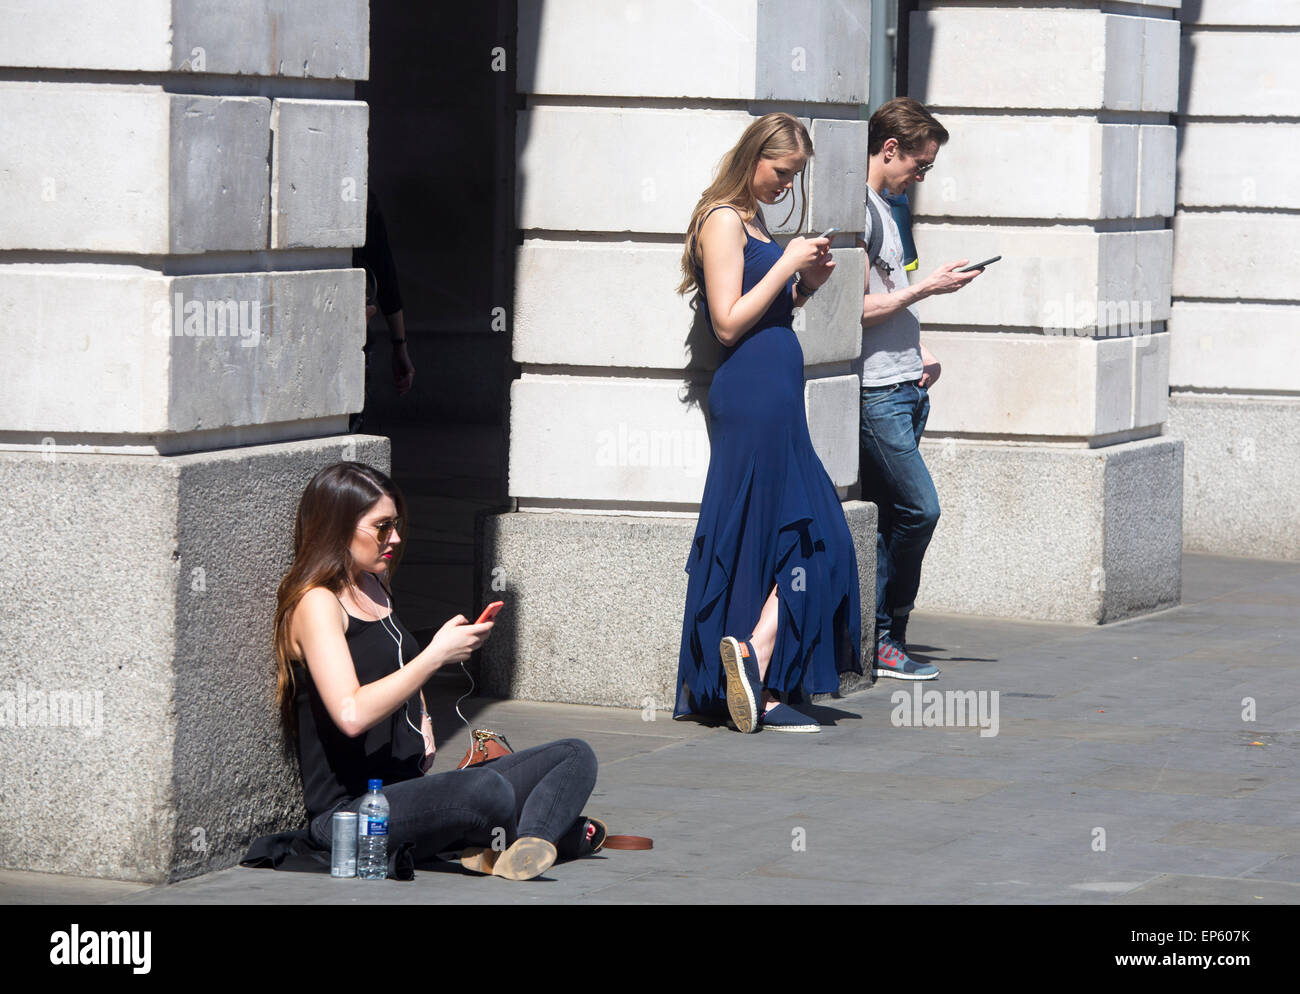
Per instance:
x=769, y=517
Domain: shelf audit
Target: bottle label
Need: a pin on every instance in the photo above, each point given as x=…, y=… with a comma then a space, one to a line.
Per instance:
x=376, y=826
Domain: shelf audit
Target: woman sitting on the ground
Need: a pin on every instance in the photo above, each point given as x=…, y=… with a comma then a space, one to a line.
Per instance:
x=358, y=712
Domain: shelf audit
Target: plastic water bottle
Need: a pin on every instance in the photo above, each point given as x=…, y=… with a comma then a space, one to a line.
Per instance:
x=372, y=834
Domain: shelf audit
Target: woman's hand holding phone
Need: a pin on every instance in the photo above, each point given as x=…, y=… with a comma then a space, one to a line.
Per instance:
x=816, y=275
x=457, y=640
x=805, y=253
x=819, y=267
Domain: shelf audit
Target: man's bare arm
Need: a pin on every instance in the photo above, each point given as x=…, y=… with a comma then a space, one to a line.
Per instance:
x=877, y=307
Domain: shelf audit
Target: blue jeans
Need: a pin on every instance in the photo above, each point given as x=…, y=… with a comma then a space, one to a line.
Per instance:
x=538, y=792
x=895, y=479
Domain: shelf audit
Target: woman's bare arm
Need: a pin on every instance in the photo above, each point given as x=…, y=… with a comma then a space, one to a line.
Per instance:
x=318, y=630
x=722, y=253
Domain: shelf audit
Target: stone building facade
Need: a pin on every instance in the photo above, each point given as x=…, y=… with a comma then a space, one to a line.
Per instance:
x=181, y=185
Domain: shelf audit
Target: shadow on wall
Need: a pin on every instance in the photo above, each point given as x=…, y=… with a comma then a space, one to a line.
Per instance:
x=1188, y=13
x=518, y=44
x=441, y=164
x=442, y=99
x=703, y=354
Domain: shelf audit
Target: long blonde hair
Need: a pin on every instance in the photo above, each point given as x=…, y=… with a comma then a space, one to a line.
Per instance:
x=772, y=136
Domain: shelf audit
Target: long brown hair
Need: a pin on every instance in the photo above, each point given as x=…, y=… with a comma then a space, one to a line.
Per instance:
x=333, y=502
x=772, y=136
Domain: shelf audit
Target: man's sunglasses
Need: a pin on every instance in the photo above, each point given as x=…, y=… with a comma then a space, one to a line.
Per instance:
x=918, y=169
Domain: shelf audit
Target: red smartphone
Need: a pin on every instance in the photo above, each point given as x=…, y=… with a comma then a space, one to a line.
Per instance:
x=490, y=612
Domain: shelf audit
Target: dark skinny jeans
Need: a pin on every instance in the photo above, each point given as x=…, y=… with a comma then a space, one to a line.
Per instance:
x=536, y=792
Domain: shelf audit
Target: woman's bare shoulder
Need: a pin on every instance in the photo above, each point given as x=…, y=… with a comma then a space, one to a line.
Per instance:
x=316, y=605
x=722, y=217
x=317, y=611
x=722, y=228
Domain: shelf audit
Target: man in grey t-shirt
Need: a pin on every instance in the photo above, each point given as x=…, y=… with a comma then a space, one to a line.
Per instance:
x=903, y=141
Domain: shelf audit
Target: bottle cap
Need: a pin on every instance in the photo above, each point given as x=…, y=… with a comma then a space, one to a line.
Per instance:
x=375, y=784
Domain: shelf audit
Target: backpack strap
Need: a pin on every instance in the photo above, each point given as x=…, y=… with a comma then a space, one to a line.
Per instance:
x=876, y=236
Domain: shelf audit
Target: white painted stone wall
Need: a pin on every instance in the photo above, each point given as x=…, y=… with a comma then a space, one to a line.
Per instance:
x=1236, y=347
x=328, y=39
x=632, y=322
x=609, y=408
x=96, y=168
x=124, y=349
x=1050, y=60
x=1096, y=170
x=785, y=50
x=1059, y=276
x=1062, y=160
x=1063, y=163
x=1035, y=385
x=181, y=183
x=117, y=184
x=1234, y=328
x=318, y=173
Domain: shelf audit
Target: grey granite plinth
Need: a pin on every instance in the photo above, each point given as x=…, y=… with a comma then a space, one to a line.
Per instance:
x=140, y=739
x=1241, y=474
x=594, y=604
x=1055, y=533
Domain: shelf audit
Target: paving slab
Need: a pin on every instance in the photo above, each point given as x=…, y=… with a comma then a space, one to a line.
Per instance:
x=25, y=887
x=1137, y=728
x=1284, y=869
x=1178, y=889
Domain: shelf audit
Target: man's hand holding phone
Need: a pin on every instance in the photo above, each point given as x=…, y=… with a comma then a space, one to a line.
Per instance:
x=949, y=278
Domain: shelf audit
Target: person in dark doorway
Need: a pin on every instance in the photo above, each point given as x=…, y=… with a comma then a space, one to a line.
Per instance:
x=383, y=295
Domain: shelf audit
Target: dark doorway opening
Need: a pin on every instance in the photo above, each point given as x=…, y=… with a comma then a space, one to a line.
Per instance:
x=442, y=156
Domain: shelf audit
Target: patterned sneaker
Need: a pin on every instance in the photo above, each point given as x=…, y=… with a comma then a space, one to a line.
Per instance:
x=783, y=718
x=744, y=688
x=891, y=661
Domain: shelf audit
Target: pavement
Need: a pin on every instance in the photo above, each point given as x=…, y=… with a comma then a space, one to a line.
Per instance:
x=1151, y=761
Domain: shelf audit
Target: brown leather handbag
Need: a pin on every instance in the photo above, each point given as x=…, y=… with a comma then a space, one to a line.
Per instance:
x=484, y=744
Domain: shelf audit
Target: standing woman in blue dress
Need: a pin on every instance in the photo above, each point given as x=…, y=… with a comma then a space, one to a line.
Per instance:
x=772, y=605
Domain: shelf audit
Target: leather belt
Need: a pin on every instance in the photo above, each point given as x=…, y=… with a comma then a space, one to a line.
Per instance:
x=628, y=842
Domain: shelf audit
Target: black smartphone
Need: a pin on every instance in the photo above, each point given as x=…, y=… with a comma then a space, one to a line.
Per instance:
x=980, y=265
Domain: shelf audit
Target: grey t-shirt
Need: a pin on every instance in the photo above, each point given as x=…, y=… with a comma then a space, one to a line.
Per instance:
x=891, y=350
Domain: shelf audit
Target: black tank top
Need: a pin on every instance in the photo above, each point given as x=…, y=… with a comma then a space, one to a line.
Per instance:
x=334, y=767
